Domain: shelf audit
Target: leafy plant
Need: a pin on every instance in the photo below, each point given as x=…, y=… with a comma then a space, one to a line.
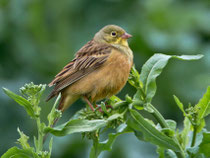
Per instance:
x=124, y=117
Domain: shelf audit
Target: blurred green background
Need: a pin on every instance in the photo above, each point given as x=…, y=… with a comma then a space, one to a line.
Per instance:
x=38, y=37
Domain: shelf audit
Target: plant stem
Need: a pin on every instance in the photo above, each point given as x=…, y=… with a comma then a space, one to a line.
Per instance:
x=194, y=139
x=94, y=150
x=163, y=124
x=119, y=104
x=159, y=117
x=194, y=136
x=40, y=135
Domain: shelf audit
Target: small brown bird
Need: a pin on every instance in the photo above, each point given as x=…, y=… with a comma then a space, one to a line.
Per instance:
x=99, y=70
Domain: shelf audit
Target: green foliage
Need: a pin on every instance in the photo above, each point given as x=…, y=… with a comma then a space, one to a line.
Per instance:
x=98, y=147
x=150, y=133
x=23, y=140
x=124, y=117
x=153, y=68
x=19, y=153
x=30, y=99
x=21, y=101
x=205, y=145
x=39, y=36
x=203, y=105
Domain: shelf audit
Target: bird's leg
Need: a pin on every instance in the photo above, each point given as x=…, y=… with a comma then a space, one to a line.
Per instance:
x=89, y=103
x=99, y=108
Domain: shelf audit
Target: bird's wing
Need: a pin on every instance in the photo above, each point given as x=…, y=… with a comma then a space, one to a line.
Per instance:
x=89, y=58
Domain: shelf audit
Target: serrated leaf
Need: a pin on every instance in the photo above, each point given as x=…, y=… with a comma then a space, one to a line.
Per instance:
x=201, y=125
x=150, y=133
x=15, y=152
x=23, y=140
x=180, y=105
x=80, y=125
x=76, y=126
x=204, y=105
x=205, y=144
x=153, y=68
x=184, y=134
x=134, y=77
x=150, y=71
x=21, y=101
x=107, y=144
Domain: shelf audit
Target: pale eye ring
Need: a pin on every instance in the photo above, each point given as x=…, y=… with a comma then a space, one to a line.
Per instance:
x=113, y=34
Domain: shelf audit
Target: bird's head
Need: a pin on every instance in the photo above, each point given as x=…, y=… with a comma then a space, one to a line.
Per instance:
x=112, y=34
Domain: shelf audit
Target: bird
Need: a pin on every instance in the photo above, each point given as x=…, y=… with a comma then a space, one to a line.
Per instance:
x=99, y=70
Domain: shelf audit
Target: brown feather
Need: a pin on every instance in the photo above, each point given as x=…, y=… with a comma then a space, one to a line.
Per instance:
x=102, y=83
x=89, y=58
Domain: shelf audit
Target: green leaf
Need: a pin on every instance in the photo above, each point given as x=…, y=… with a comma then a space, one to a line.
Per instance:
x=80, y=125
x=23, y=140
x=15, y=152
x=204, y=105
x=21, y=101
x=150, y=71
x=201, y=125
x=148, y=108
x=54, y=113
x=205, y=144
x=171, y=124
x=50, y=147
x=160, y=152
x=153, y=68
x=180, y=105
x=184, y=134
x=139, y=95
x=103, y=107
x=150, y=133
x=188, y=57
x=170, y=154
x=195, y=149
x=107, y=144
x=168, y=131
x=115, y=99
x=36, y=142
x=165, y=153
x=134, y=78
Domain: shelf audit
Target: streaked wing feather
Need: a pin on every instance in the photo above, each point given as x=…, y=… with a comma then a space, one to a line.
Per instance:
x=90, y=57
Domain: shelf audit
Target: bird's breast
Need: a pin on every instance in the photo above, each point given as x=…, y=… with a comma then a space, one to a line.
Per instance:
x=114, y=75
x=106, y=81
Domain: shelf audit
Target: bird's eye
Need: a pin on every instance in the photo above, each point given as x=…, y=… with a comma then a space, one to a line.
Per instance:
x=113, y=33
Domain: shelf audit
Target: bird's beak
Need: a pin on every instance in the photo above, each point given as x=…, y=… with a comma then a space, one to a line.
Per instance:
x=126, y=36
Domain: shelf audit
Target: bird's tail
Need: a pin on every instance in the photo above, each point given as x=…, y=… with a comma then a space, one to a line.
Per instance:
x=66, y=101
x=52, y=94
